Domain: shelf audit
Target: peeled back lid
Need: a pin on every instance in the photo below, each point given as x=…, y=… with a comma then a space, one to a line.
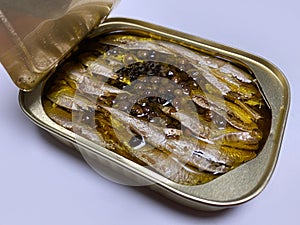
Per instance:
x=36, y=34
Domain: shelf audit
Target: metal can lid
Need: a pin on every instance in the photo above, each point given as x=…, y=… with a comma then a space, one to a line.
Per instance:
x=35, y=35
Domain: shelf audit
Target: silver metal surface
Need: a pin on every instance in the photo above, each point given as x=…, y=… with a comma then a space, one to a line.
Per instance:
x=231, y=189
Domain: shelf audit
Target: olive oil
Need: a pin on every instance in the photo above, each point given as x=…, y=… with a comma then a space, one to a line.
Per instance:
x=189, y=115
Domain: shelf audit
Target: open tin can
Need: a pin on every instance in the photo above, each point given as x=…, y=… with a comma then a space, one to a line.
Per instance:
x=218, y=181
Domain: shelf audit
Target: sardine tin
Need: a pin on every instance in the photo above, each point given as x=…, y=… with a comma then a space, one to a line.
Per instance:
x=231, y=189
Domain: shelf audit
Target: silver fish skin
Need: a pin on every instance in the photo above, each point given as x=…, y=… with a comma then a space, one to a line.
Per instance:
x=209, y=62
x=164, y=163
x=85, y=82
x=206, y=159
x=191, y=121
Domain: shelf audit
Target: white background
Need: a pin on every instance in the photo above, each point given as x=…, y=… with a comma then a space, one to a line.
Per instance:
x=43, y=182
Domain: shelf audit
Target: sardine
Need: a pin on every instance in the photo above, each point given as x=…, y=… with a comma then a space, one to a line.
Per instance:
x=163, y=162
x=191, y=121
x=129, y=42
x=206, y=159
x=83, y=80
x=206, y=65
x=63, y=95
x=232, y=113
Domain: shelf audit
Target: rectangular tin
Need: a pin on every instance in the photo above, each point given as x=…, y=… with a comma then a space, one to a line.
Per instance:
x=233, y=188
